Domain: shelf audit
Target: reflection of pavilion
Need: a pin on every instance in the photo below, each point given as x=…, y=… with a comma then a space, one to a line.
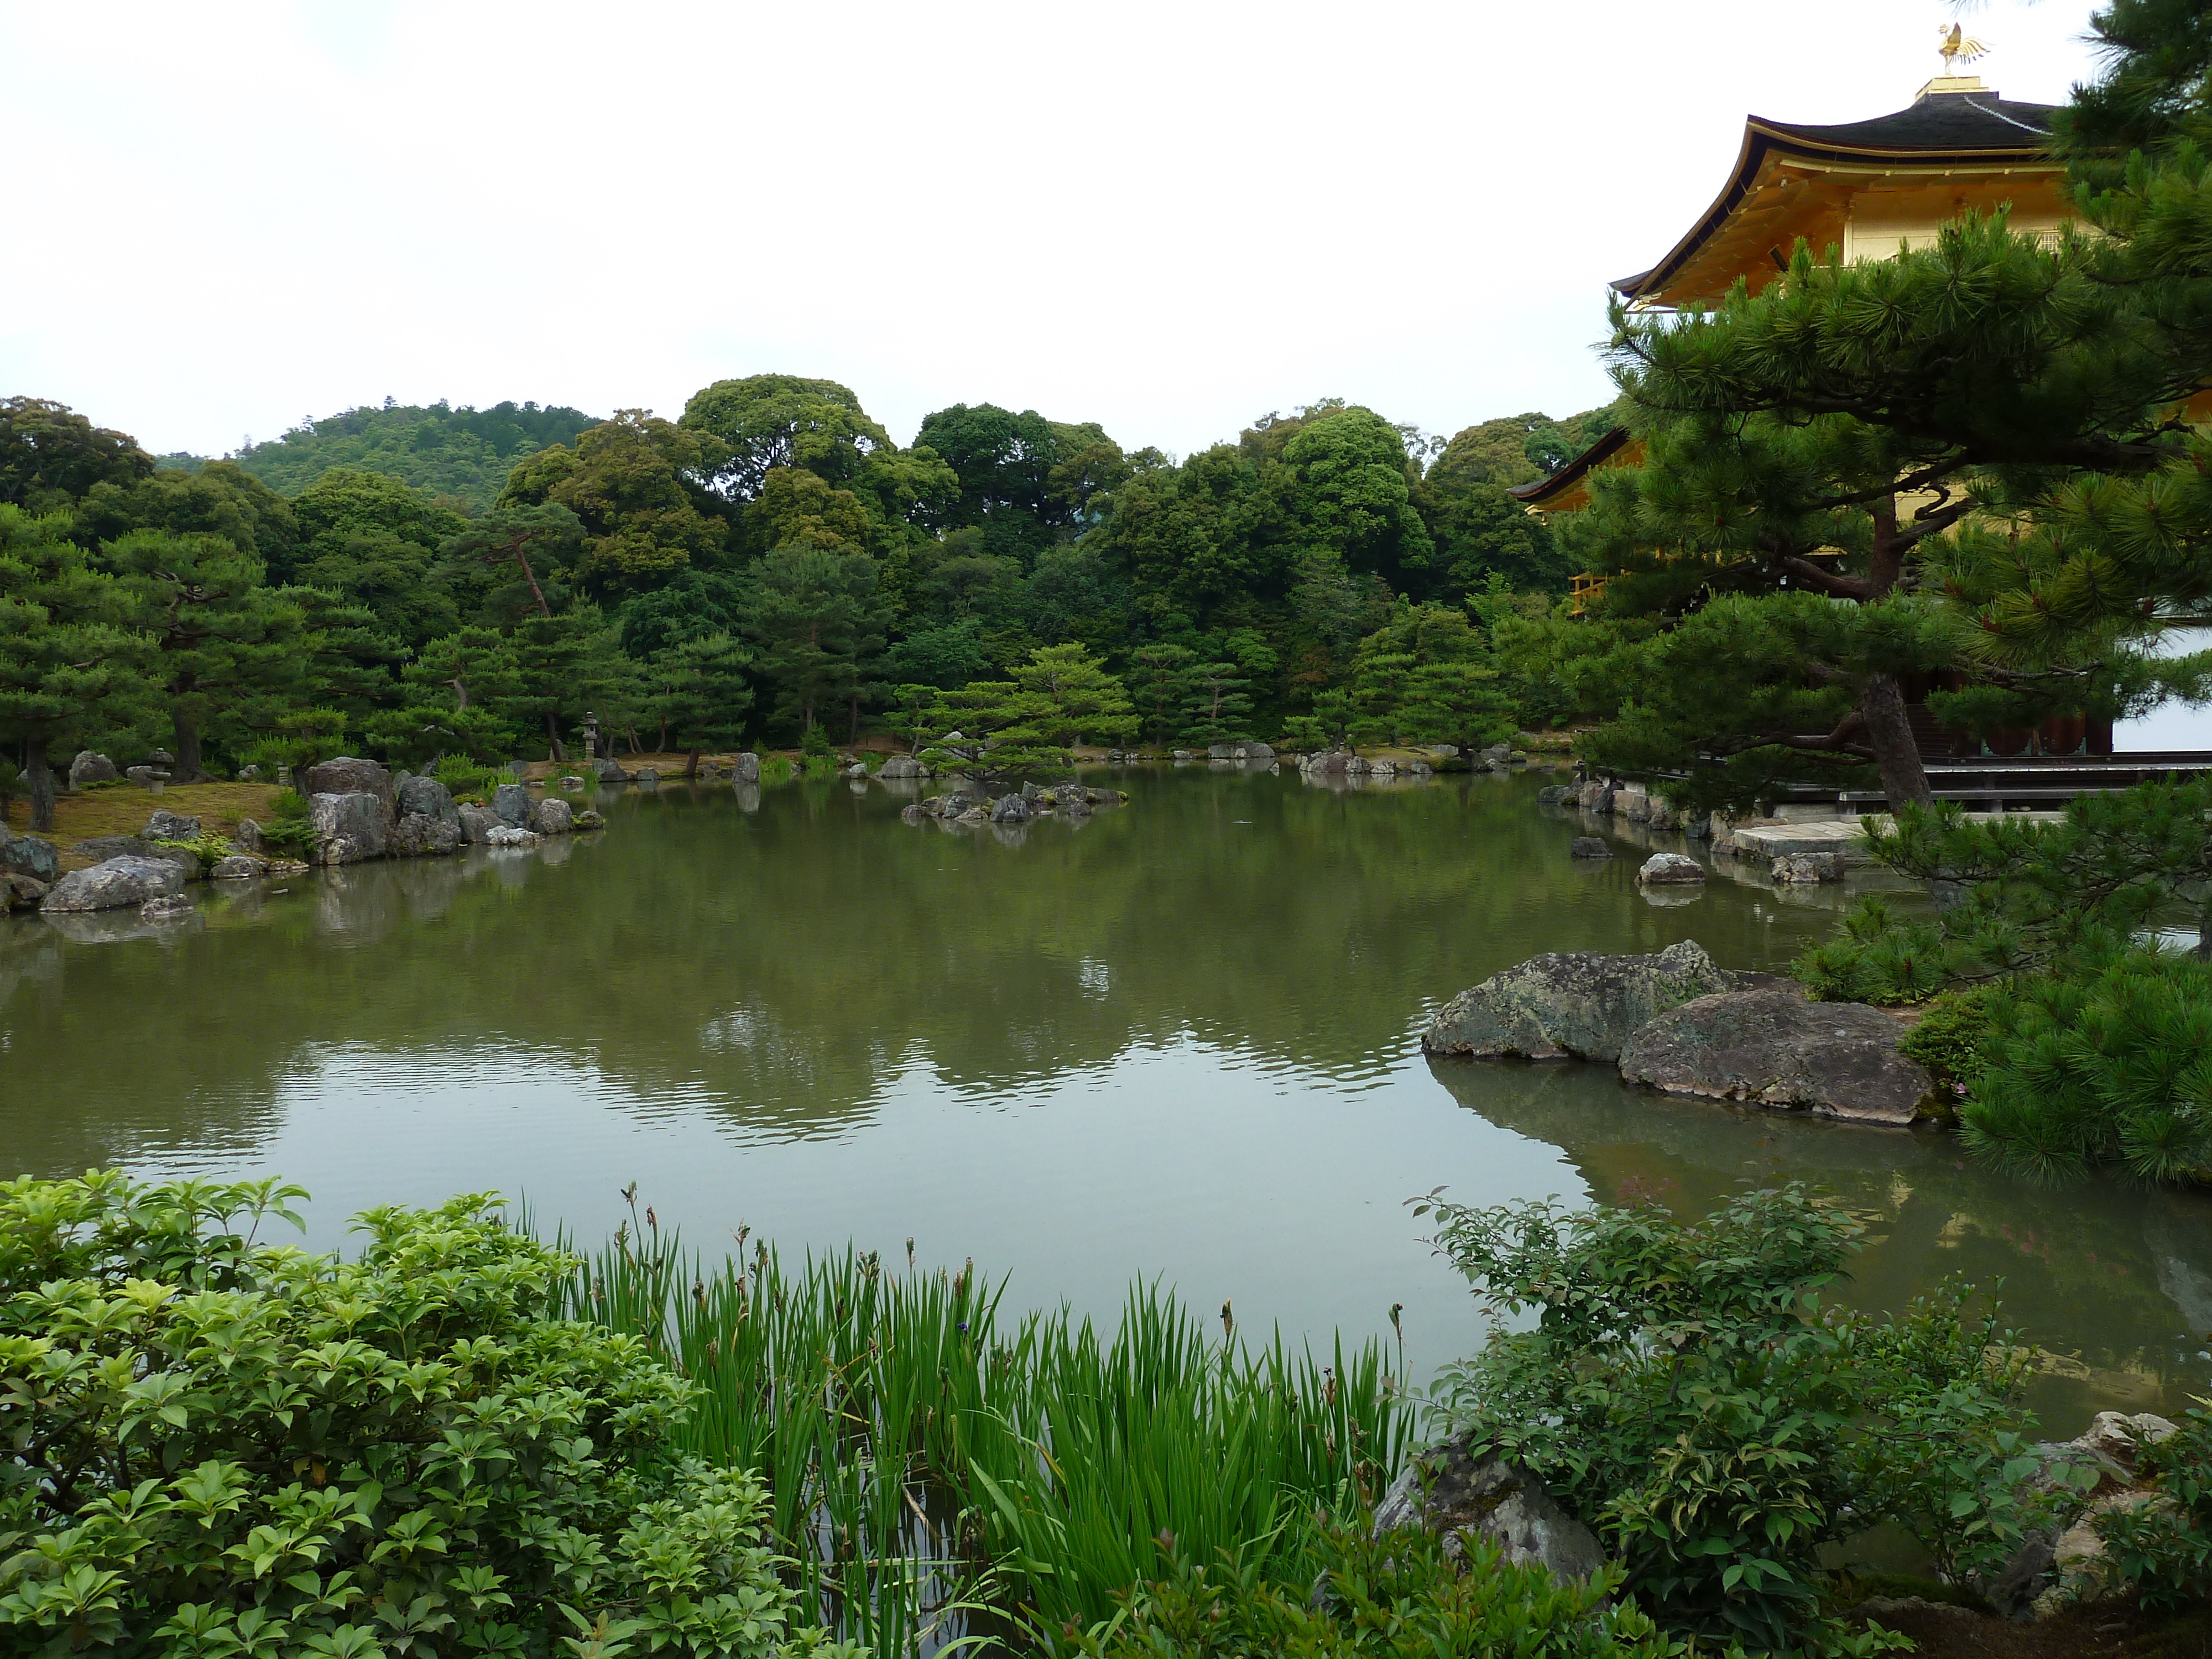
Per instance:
x=1866, y=189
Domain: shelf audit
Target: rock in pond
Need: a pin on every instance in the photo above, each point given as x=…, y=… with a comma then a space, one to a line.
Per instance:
x=29, y=855
x=1588, y=847
x=553, y=817
x=171, y=826
x=510, y=805
x=745, y=769
x=588, y=819
x=350, y=828
x=21, y=892
x=1662, y=869
x=1010, y=809
x=1450, y=1491
x=477, y=823
x=1556, y=794
x=648, y=777
x=420, y=836
x=348, y=776
x=115, y=884
x=1572, y=1003
x=238, y=866
x=89, y=768
x=1773, y=1048
x=901, y=766
x=175, y=908
x=501, y=836
x=430, y=798
x=1804, y=869
x=610, y=771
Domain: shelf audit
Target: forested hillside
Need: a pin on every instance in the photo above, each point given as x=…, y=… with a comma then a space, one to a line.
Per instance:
x=464, y=453
x=770, y=567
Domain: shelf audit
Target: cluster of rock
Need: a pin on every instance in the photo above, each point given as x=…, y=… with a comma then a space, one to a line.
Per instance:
x=972, y=805
x=360, y=812
x=1609, y=797
x=1676, y=1023
x=148, y=869
x=1343, y=763
x=1450, y=1491
x=1218, y=753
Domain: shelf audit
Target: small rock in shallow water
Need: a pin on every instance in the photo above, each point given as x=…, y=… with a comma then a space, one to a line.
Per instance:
x=1663, y=868
x=1588, y=847
x=238, y=866
x=166, y=909
x=501, y=835
x=590, y=820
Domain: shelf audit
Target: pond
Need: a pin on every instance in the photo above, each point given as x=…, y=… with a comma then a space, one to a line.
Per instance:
x=1177, y=1040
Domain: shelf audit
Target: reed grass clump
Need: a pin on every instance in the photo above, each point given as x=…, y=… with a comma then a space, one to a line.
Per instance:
x=938, y=1468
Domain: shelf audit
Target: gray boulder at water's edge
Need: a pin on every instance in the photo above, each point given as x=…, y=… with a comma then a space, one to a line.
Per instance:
x=183, y=857
x=29, y=855
x=1588, y=847
x=501, y=835
x=348, y=776
x=1663, y=868
x=510, y=805
x=115, y=884
x=349, y=827
x=1010, y=809
x=1773, y=1048
x=745, y=769
x=175, y=908
x=588, y=819
x=420, y=836
x=238, y=866
x=901, y=766
x=1574, y=1003
x=553, y=817
x=1556, y=794
x=477, y=823
x=1450, y=1492
x=429, y=796
x=21, y=892
x=171, y=826
x=89, y=768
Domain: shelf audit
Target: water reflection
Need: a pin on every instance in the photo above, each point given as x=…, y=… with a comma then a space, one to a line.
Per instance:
x=1173, y=1038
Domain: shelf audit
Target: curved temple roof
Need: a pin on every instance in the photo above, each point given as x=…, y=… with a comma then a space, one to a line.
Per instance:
x=1942, y=128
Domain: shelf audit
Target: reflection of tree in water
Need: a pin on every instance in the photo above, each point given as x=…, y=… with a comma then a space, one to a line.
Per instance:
x=784, y=964
x=2099, y=1274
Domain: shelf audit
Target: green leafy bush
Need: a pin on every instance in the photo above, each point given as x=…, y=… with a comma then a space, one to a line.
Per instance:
x=1685, y=1392
x=1394, y=1597
x=1952, y=1040
x=208, y=849
x=464, y=777
x=2162, y=1550
x=289, y=804
x=222, y=1449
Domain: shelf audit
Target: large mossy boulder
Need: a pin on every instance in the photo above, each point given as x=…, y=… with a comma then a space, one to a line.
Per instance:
x=1773, y=1048
x=510, y=805
x=1573, y=1004
x=429, y=797
x=1453, y=1493
x=421, y=835
x=32, y=856
x=119, y=882
x=350, y=828
x=347, y=775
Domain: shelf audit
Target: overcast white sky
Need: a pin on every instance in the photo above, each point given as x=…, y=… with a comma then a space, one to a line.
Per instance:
x=1167, y=217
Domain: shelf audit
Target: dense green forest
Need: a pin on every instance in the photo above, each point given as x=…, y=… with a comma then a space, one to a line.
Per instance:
x=770, y=567
x=463, y=453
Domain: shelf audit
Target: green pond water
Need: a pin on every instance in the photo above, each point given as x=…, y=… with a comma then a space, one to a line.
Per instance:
x=1179, y=1040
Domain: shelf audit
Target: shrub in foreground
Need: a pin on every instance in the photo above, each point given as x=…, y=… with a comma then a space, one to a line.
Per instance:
x=1393, y=1597
x=219, y=1448
x=1683, y=1391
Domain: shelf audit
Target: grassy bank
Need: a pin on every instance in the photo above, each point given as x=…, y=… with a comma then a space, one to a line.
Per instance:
x=939, y=1465
x=122, y=809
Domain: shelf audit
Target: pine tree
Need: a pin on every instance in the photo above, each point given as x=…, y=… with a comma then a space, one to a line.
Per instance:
x=701, y=695
x=1219, y=709
x=69, y=665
